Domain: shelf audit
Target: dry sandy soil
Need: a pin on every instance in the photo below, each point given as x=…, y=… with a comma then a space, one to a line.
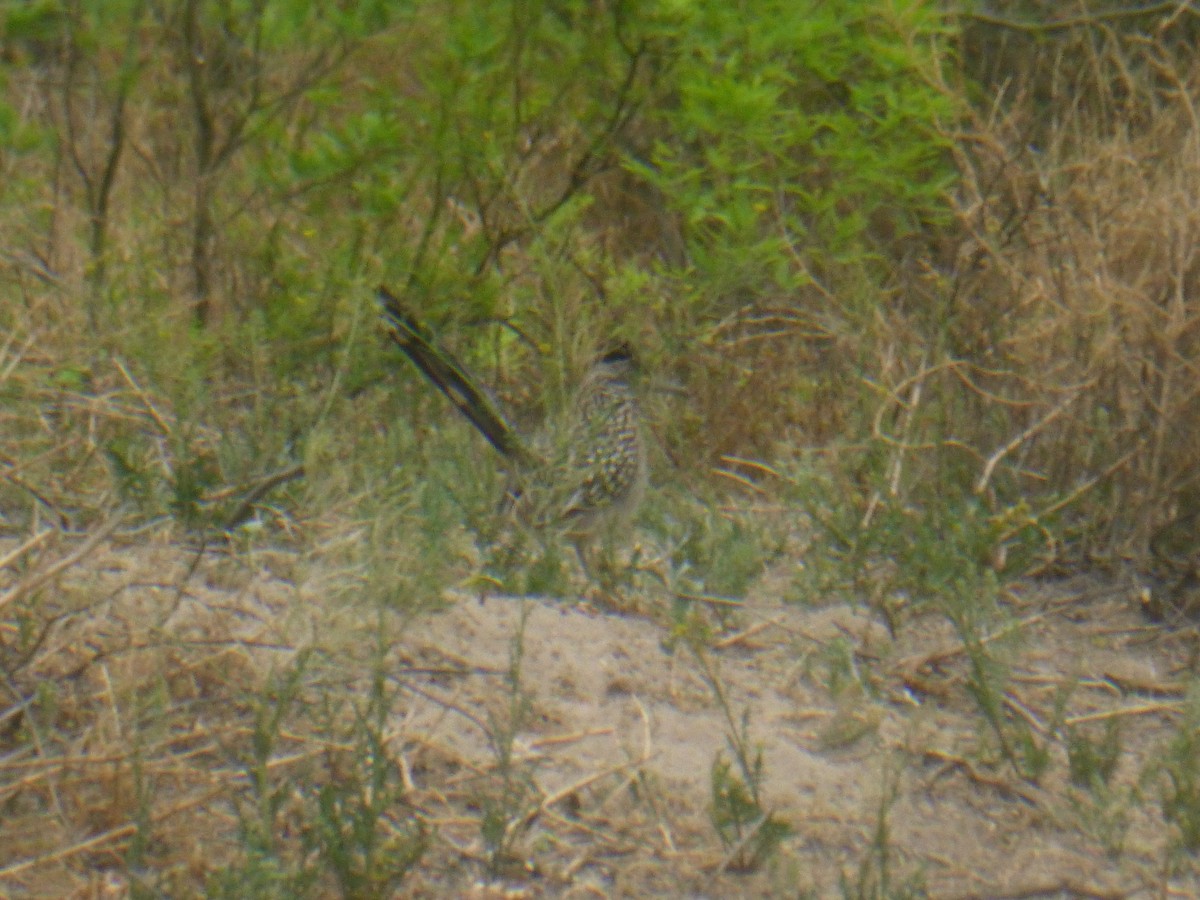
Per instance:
x=866, y=740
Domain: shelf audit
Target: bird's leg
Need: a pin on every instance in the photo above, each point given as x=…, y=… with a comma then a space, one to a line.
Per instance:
x=600, y=570
x=608, y=559
x=581, y=552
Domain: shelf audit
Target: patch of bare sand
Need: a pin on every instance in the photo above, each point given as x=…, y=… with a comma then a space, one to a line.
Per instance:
x=610, y=772
x=608, y=698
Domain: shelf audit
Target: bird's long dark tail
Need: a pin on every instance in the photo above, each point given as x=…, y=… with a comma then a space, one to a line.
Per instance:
x=414, y=339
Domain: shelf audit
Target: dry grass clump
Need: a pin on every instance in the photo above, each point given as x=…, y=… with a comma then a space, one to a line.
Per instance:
x=50, y=422
x=1076, y=288
x=122, y=696
x=169, y=712
x=1042, y=358
x=83, y=434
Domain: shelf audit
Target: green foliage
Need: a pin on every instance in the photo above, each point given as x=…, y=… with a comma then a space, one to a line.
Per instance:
x=932, y=544
x=194, y=474
x=258, y=875
x=412, y=508
x=348, y=824
x=987, y=682
x=1093, y=760
x=432, y=146
x=841, y=667
x=17, y=137
x=524, y=565
x=876, y=878
x=763, y=132
x=713, y=552
x=354, y=833
x=40, y=20
x=509, y=799
x=1104, y=807
x=750, y=832
x=932, y=553
x=811, y=124
x=131, y=472
x=751, y=835
x=1180, y=773
x=261, y=867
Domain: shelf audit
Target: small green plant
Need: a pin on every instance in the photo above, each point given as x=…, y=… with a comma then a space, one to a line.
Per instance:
x=1018, y=743
x=414, y=503
x=876, y=878
x=131, y=473
x=1093, y=759
x=934, y=555
x=143, y=791
x=357, y=834
x=841, y=666
x=848, y=681
x=261, y=869
x=349, y=826
x=727, y=552
x=506, y=801
x=525, y=564
x=258, y=874
x=709, y=556
x=1180, y=774
x=751, y=836
x=750, y=833
x=1104, y=812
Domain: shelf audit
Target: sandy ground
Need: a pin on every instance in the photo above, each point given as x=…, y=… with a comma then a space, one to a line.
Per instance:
x=608, y=698
x=867, y=741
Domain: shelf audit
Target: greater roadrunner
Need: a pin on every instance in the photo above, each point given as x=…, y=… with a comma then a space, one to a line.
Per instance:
x=589, y=478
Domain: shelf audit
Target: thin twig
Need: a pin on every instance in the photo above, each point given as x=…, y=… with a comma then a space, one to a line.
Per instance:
x=33, y=582
x=995, y=458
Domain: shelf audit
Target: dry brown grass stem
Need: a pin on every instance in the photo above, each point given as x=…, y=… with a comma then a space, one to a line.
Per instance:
x=939, y=656
x=1077, y=281
x=1142, y=709
x=147, y=402
x=94, y=539
x=908, y=407
x=741, y=481
x=108, y=837
x=709, y=599
x=994, y=460
x=1017, y=706
x=574, y=737
x=1027, y=792
x=42, y=537
x=741, y=637
x=754, y=464
x=10, y=359
x=551, y=800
